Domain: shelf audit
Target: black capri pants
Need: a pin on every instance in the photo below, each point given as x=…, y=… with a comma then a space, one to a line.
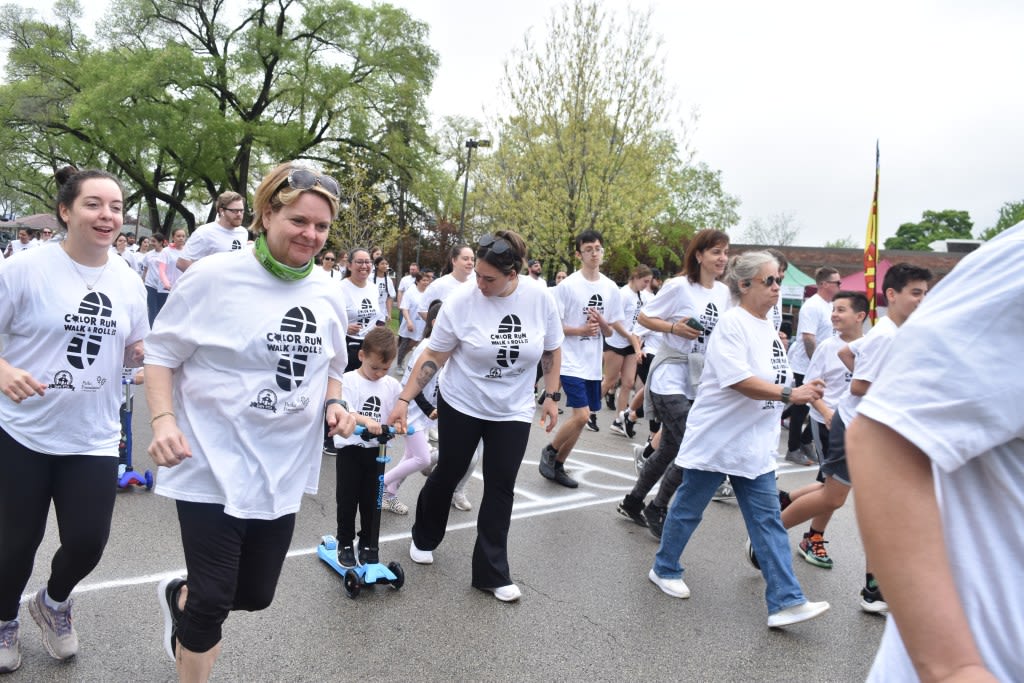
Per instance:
x=82, y=488
x=232, y=563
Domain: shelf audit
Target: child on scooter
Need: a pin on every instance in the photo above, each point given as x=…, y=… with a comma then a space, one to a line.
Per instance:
x=371, y=394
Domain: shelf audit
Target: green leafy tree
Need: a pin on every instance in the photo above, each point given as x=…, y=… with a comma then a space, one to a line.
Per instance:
x=843, y=243
x=1010, y=214
x=934, y=225
x=184, y=100
x=585, y=143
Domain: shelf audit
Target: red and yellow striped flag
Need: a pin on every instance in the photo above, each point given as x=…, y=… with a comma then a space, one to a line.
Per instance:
x=871, y=247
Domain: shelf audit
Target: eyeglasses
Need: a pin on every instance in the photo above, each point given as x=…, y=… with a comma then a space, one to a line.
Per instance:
x=497, y=245
x=833, y=282
x=306, y=179
x=768, y=281
x=590, y=251
x=362, y=263
x=47, y=232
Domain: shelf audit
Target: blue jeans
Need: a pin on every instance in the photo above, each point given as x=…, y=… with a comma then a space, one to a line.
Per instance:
x=759, y=502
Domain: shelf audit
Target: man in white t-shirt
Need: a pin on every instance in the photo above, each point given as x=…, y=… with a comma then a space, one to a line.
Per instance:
x=534, y=269
x=24, y=241
x=405, y=283
x=224, y=234
x=815, y=327
x=590, y=308
x=937, y=452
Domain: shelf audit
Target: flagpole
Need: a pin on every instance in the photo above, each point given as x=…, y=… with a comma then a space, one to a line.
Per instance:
x=871, y=246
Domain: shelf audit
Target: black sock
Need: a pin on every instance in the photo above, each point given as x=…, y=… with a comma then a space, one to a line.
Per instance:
x=648, y=450
x=870, y=582
x=811, y=531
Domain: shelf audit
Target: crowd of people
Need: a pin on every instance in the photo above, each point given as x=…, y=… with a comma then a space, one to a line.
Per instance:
x=246, y=401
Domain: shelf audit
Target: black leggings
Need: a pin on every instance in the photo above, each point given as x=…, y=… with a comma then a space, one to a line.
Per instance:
x=504, y=448
x=357, y=486
x=82, y=488
x=232, y=563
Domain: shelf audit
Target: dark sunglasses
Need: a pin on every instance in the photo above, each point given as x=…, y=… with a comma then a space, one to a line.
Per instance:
x=305, y=179
x=497, y=245
x=328, y=258
x=768, y=281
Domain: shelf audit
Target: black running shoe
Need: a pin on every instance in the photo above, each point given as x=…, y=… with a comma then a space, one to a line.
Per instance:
x=592, y=423
x=562, y=477
x=655, y=516
x=347, y=557
x=633, y=508
x=609, y=400
x=369, y=555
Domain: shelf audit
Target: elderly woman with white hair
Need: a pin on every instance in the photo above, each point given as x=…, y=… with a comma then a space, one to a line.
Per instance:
x=733, y=430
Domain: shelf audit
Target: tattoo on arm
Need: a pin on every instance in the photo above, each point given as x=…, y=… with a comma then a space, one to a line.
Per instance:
x=546, y=361
x=427, y=372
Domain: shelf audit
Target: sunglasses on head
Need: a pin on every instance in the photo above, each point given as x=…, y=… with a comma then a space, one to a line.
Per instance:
x=306, y=179
x=497, y=245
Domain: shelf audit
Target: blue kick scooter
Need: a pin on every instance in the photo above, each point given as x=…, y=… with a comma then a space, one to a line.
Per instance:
x=127, y=477
x=367, y=574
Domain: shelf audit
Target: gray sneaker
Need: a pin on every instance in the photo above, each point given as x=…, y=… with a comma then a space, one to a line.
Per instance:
x=10, y=653
x=547, y=462
x=59, y=635
x=798, y=457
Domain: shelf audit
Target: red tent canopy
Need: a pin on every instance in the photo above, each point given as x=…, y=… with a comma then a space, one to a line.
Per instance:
x=855, y=282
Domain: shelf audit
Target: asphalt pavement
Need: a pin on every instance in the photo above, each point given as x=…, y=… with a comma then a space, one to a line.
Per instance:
x=588, y=611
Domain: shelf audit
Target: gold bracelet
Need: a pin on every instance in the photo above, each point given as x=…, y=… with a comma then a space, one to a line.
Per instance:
x=159, y=415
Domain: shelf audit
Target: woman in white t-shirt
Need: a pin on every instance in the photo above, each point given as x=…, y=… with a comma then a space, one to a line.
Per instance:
x=411, y=325
x=684, y=313
x=462, y=262
x=489, y=339
x=733, y=430
x=623, y=354
x=71, y=313
x=122, y=250
x=385, y=289
x=359, y=295
x=237, y=395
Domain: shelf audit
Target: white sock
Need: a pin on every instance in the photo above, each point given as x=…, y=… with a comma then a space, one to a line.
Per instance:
x=53, y=604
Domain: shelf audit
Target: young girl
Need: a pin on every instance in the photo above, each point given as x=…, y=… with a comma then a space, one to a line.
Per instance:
x=422, y=414
x=371, y=394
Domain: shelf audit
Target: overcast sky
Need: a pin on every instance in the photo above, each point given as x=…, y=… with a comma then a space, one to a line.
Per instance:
x=793, y=95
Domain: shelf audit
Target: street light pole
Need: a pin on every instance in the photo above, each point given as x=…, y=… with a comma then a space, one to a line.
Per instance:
x=471, y=144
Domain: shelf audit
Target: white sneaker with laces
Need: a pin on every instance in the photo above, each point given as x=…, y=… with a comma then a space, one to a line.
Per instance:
x=392, y=504
x=59, y=635
x=797, y=613
x=10, y=652
x=509, y=593
x=420, y=556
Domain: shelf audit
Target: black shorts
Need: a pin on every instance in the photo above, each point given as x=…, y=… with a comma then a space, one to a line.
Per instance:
x=624, y=351
x=835, y=463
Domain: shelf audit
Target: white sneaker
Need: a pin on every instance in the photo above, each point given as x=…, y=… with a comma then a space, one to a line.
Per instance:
x=433, y=462
x=797, y=613
x=10, y=651
x=509, y=593
x=59, y=637
x=392, y=504
x=461, y=502
x=420, y=556
x=677, y=588
x=432, y=434
x=638, y=457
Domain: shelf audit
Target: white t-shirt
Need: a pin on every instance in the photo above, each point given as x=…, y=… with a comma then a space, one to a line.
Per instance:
x=495, y=344
x=152, y=270
x=440, y=288
x=415, y=417
x=374, y=400
x=825, y=365
x=128, y=257
x=582, y=356
x=72, y=339
x=870, y=353
x=360, y=305
x=251, y=355
x=726, y=431
x=816, y=319
x=212, y=238
x=412, y=301
x=953, y=390
x=16, y=246
x=632, y=302
x=407, y=282
x=385, y=291
x=679, y=299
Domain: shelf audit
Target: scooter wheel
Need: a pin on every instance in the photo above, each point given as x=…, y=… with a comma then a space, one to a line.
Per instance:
x=399, y=573
x=149, y=480
x=352, y=585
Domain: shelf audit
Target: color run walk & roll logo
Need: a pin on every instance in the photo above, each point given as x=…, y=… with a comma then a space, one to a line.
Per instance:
x=91, y=324
x=298, y=333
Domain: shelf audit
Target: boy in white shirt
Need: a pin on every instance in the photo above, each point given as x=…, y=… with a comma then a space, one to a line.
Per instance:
x=590, y=307
x=371, y=394
x=848, y=312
